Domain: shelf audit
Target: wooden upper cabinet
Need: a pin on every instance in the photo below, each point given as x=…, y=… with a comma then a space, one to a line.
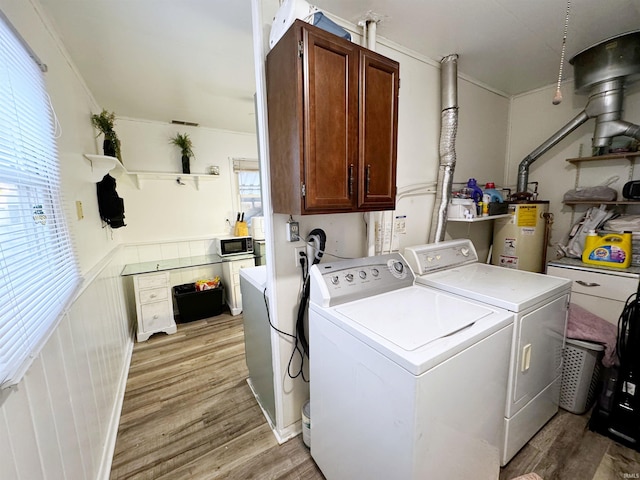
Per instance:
x=378, y=132
x=333, y=111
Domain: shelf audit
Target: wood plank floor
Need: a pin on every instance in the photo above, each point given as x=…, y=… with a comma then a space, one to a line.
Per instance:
x=188, y=413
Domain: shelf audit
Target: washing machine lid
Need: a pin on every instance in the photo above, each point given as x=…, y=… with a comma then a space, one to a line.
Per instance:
x=418, y=327
x=514, y=290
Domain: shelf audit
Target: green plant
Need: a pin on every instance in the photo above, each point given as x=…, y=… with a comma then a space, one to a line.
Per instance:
x=182, y=141
x=104, y=123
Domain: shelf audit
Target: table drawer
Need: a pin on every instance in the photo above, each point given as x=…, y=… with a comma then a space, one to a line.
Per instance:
x=240, y=264
x=153, y=294
x=153, y=280
x=604, y=285
x=156, y=316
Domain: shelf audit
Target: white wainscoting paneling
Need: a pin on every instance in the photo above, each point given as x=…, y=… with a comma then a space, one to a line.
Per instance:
x=62, y=419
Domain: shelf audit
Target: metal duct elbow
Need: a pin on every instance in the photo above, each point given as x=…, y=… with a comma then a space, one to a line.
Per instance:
x=602, y=71
x=523, y=169
x=448, y=131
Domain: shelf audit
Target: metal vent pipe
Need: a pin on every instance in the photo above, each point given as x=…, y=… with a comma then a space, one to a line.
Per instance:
x=448, y=130
x=601, y=71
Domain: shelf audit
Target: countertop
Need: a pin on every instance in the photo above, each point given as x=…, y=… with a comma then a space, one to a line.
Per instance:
x=577, y=264
x=183, y=262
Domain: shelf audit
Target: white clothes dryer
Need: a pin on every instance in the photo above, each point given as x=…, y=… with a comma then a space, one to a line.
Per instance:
x=540, y=305
x=406, y=382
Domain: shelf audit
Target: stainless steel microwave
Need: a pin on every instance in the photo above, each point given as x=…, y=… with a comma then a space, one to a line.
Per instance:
x=234, y=245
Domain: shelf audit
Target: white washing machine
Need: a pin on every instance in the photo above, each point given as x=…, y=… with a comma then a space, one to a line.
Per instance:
x=406, y=382
x=540, y=305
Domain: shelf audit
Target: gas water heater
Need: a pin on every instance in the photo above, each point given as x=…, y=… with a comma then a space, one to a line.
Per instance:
x=519, y=240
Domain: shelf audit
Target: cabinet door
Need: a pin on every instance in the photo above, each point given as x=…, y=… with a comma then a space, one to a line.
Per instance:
x=379, y=82
x=330, y=123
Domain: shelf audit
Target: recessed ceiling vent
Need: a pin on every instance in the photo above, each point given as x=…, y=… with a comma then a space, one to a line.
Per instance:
x=182, y=122
x=602, y=72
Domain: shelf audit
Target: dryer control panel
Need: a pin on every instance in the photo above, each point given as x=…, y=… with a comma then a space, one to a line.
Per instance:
x=343, y=281
x=434, y=257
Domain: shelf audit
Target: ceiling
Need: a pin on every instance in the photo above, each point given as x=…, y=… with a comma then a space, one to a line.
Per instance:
x=192, y=60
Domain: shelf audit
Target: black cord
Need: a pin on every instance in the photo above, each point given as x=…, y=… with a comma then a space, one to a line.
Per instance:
x=301, y=345
x=324, y=252
x=296, y=345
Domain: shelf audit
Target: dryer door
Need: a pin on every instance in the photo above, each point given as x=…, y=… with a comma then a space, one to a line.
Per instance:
x=538, y=355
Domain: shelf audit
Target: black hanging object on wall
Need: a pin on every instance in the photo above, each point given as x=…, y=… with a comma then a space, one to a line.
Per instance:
x=319, y=239
x=110, y=205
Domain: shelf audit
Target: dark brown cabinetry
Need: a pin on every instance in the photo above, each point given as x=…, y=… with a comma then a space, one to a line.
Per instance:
x=333, y=114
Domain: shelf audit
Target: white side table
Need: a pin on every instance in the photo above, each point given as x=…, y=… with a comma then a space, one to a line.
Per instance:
x=154, y=304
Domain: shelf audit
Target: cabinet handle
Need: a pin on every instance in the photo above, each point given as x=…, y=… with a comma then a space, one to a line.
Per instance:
x=587, y=284
x=153, y=295
x=350, y=180
x=368, y=178
x=156, y=316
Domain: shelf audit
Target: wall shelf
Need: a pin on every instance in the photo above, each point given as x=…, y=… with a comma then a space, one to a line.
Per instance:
x=179, y=178
x=478, y=219
x=578, y=161
x=102, y=164
x=596, y=202
x=612, y=156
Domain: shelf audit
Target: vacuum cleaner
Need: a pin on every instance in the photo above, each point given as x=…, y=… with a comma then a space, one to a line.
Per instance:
x=617, y=413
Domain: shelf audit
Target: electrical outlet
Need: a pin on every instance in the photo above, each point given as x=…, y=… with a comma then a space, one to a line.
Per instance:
x=297, y=251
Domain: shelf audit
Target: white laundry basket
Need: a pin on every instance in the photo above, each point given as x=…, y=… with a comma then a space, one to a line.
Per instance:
x=580, y=375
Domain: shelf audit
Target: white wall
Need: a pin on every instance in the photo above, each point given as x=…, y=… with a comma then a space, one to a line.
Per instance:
x=481, y=151
x=73, y=104
x=533, y=120
x=162, y=210
x=61, y=420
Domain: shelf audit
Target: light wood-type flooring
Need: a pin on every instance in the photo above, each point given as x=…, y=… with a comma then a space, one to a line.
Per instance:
x=188, y=413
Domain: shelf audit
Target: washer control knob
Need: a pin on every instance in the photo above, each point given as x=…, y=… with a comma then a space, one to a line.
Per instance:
x=396, y=268
x=335, y=280
x=464, y=251
x=362, y=274
x=349, y=277
x=375, y=272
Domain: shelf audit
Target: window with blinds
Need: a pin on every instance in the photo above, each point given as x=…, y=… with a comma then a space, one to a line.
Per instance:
x=248, y=187
x=38, y=269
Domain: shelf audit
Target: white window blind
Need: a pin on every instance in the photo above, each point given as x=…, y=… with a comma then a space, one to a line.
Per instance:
x=38, y=268
x=247, y=172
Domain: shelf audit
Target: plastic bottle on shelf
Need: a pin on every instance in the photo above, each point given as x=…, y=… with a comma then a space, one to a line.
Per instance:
x=495, y=195
x=476, y=191
x=611, y=249
x=486, y=200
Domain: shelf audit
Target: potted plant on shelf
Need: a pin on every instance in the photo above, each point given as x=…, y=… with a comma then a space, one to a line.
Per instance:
x=104, y=122
x=182, y=141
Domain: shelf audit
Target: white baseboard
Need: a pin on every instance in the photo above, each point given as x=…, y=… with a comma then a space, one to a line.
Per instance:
x=282, y=434
x=110, y=442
